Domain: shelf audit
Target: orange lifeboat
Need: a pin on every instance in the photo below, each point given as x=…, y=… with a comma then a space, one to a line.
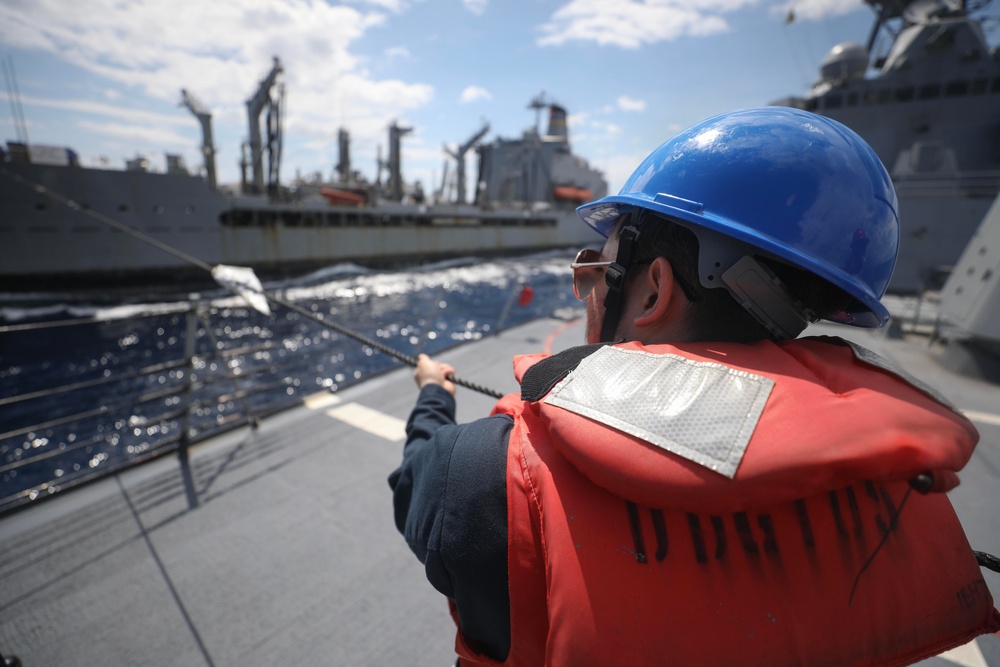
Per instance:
x=343, y=197
x=572, y=193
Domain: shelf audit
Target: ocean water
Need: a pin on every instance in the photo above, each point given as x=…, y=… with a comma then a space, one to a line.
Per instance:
x=126, y=361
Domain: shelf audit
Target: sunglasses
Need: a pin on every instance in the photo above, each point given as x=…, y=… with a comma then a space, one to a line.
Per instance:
x=588, y=269
x=586, y=272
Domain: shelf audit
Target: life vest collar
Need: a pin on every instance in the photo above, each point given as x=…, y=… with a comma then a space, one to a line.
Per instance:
x=829, y=420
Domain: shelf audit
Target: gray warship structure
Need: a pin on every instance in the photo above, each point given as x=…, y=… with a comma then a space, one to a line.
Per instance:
x=57, y=217
x=924, y=91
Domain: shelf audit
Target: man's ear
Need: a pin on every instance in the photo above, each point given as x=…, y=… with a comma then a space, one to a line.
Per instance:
x=655, y=289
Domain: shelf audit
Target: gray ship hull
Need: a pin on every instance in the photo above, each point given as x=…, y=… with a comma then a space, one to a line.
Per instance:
x=46, y=242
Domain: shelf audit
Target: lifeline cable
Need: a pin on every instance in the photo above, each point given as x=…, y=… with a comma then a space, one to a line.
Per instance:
x=370, y=342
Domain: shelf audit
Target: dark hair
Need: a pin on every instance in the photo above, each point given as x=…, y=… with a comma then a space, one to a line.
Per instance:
x=714, y=314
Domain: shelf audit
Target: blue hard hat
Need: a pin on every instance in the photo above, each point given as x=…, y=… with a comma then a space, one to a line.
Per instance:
x=776, y=182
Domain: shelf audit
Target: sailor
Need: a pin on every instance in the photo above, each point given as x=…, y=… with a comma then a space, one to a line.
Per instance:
x=698, y=485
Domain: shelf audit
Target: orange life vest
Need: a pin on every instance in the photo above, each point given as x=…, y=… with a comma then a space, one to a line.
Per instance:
x=629, y=550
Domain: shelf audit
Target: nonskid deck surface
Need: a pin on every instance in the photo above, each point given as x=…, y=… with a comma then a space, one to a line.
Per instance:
x=279, y=546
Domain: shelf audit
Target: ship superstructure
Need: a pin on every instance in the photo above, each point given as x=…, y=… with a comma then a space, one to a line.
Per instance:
x=524, y=198
x=924, y=91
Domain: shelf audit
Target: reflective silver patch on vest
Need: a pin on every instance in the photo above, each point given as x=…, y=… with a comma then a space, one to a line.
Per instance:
x=702, y=411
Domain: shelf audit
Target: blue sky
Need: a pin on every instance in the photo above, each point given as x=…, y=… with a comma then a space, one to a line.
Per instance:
x=104, y=76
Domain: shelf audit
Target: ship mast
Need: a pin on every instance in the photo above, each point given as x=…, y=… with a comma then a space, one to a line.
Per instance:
x=395, y=184
x=459, y=155
x=204, y=117
x=255, y=105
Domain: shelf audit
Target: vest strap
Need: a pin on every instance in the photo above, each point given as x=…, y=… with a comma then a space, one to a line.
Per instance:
x=547, y=373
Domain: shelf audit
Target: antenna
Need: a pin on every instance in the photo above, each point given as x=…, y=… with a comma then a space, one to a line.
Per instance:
x=20, y=125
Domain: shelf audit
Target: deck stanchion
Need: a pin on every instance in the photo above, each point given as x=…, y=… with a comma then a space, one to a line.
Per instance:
x=185, y=439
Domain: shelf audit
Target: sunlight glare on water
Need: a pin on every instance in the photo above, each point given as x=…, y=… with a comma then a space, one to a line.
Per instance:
x=287, y=356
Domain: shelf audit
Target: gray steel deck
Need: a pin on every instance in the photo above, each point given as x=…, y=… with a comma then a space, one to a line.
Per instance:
x=281, y=549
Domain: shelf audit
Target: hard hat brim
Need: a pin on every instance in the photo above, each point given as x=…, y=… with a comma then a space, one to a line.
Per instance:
x=866, y=310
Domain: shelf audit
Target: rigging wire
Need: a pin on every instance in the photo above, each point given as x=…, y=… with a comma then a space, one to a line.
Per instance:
x=318, y=318
x=14, y=95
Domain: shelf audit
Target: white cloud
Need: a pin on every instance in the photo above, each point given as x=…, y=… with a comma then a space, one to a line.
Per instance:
x=631, y=23
x=626, y=103
x=474, y=94
x=397, y=52
x=151, y=134
x=477, y=7
x=220, y=51
x=605, y=127
x=135, y=116
x=394, y=6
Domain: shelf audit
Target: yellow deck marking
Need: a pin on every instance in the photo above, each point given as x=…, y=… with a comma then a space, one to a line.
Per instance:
x=983, y=417
x=371, y=421
x=323, y=399
x=967, y=655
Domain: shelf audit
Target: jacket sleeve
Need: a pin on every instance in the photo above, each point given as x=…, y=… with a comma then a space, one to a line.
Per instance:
x=450, y=504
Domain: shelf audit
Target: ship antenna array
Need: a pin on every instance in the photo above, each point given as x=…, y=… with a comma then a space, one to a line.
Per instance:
x=14, y=95
x=240, y=286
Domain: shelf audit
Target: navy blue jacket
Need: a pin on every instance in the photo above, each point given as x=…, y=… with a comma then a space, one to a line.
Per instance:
x=450, y=501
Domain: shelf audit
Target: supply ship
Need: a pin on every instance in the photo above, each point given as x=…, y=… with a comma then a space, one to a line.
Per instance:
x=522, y=200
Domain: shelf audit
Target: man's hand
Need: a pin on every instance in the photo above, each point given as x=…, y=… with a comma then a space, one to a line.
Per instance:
x=429, y=371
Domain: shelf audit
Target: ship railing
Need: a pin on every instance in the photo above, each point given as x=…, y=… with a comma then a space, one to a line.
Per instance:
x=984, y=184
x=916, y=315
x=118, y=391
x=62, y=435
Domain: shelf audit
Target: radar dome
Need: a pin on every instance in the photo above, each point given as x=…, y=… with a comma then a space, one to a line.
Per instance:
x=847, y=61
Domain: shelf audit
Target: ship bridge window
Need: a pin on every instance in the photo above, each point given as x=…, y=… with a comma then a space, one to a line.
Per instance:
x=833, y=101
x=884, y=96
x=980, y=86
x=956, y=89
x=852, y=99
x=267, y=218
x=996, y=85
x=868, y=97
x=904, y=94
x=290, y=218
x=929, y=91
x=811, y=104
x=237, y=218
